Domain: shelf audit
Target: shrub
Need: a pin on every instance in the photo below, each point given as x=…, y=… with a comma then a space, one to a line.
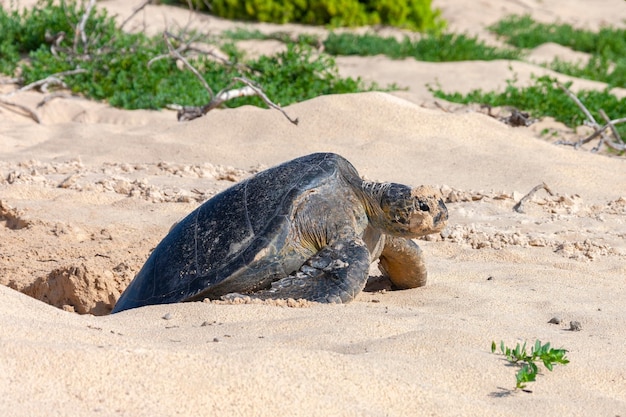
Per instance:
x=410, y=14
x=116, y=63
x=544, y=98
x=607, y=46
x=434, y=48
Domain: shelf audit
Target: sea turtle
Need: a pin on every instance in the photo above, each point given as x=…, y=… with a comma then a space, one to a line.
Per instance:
x=308, y=228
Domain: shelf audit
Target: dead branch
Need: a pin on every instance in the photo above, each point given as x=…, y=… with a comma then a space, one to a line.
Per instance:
x=43, y=84
x=579, y=103
x=616, y=134
x=53, y=96
x=176, y=54
x=601, y=130
x=519, y=207
x=186, y=113
x=31, y=113
x=135, y=11
x=80, y=29
x=618, y=145
x=11, y=81
x=187, y=46
x=263, y=97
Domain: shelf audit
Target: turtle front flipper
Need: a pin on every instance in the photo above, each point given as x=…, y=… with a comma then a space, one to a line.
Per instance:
x=335, y=274
x=402, y=262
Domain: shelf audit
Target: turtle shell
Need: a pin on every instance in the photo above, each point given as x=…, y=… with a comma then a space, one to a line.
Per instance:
x=210, y=252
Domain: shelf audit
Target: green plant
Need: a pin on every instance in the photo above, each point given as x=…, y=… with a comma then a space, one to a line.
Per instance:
x=606, y=46
x=410, y=14
x=544, y=98
x=116, y=63
x=524, y=32
x=527, y=362
x=434, y=48
x=242, y=34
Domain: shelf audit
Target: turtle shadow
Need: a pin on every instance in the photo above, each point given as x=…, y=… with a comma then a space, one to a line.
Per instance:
x=376, y=283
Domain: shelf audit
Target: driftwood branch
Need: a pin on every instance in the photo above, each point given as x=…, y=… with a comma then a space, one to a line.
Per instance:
x=187, y=46
x=263, y=97
x=519, y=207
x=80, y=29
x=617, y=145
x=186, y=113
x=135, y=11
x=191, y=68
x=611, y=125
x=579, y=103
x=43, y=84
x=31, y=113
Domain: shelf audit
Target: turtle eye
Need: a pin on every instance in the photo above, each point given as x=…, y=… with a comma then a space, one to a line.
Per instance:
x=423, y=206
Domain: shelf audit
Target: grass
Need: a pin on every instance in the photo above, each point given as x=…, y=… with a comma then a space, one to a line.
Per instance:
x=528, y=361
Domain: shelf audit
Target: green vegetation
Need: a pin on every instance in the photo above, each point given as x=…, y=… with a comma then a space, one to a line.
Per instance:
x=41, y=41
x=524, y=32
x=434, y=48
x=116, y=63
x=410, y=14
x=607, y=46
x=545, y=98
x=528, y=368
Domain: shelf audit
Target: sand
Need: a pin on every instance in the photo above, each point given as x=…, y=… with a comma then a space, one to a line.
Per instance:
x=86, y=195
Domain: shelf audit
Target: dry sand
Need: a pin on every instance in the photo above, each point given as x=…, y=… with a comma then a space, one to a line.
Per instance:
x=87, y=194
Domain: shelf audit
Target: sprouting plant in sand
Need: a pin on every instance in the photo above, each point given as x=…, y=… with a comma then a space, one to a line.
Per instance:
x=527, y=362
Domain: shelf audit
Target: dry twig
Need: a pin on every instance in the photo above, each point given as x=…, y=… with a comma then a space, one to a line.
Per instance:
x=263, y=97
x=80, y=29
x=135, y=11
x=43, y=84
x=186, y=113
x=31, y=113
x=617, y=145
x=519, y=207
x=176, y=54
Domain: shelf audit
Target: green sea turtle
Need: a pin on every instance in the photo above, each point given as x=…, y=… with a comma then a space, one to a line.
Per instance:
x=308, y=228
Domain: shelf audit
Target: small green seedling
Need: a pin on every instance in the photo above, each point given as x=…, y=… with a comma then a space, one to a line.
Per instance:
x=528, y=371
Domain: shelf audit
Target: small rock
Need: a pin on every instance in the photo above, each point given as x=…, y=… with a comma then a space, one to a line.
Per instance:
x=490, y=278
x=167, y=316
x=215, y=339
x=575, y=326
x=554, y=320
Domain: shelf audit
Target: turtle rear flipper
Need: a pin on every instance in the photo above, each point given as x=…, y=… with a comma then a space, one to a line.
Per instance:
x=336, y=274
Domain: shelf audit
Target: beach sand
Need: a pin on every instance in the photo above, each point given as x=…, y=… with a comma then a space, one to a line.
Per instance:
x=88, y=193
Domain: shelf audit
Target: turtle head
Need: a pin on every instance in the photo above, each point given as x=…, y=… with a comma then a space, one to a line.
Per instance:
x=412, y=212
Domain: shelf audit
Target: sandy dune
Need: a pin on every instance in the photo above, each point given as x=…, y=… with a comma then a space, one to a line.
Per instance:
x=86, y=194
